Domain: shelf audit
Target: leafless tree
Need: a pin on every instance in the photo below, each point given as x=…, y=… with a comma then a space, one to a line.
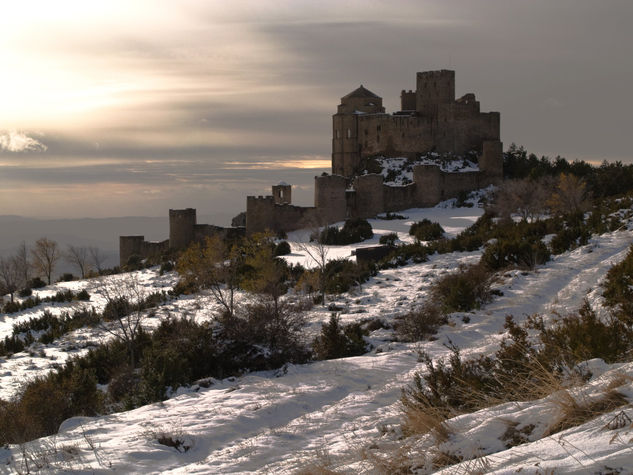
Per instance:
x=10, y=275
x=78, y=256
x=526, y=197
x=45, y=256
x=22, y=259
x=318, y=253
x=98, y=258
x=125, y=311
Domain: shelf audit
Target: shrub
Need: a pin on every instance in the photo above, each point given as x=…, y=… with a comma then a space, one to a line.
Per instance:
x=618, y=287
x=36, y=283
x=354, y=230
x=403, y=255
x=420, y=323
x=282, y=249
x=336, y=341
x=83, y=295
x=388, y=239
x=464, y=290
x=26, y=292
x=166, y=266
x=426, y=230
x=67, y=277
x=342, y=274
x=514, y=252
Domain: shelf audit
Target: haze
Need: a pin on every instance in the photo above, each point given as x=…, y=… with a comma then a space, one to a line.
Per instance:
x=126, y=108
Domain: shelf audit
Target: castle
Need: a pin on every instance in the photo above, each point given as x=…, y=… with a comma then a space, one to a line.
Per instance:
x=431, y=119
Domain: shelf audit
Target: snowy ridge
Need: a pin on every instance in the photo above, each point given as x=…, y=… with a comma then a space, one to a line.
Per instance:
x=328, y=413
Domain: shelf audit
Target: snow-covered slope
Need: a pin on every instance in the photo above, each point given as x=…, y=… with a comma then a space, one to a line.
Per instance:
x=334, y=414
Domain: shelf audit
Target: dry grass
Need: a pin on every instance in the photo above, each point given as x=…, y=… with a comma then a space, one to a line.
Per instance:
x=420, y=420
x=573, y=412
x=400, y=460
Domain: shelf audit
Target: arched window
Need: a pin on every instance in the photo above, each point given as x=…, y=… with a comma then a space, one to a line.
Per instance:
x=349, y=133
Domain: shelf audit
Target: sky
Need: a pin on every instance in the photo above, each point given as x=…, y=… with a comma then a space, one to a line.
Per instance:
x=129, y=108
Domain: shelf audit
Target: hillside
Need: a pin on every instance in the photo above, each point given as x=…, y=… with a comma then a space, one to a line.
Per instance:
x=344, y=414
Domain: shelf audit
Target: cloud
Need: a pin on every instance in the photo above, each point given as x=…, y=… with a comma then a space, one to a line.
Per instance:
x=15, y=141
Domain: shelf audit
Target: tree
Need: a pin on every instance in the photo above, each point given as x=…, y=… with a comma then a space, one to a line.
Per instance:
x=526, y=197
x=97, y=257
x=10, y=275
x=214, y=266
x=269, y=274
x=124, y=311
x=318, y=253
x=78, y=256
x=45, y=256
x=22, y=260
x=570, y=196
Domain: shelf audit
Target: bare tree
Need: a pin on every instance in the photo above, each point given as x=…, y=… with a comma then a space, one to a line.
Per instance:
x=98, y=258
x=124, y=312
x=526, y=197
x=78, y=256
x=10, y=275
x=22, y=260
x=45, y=255
x=318, y=253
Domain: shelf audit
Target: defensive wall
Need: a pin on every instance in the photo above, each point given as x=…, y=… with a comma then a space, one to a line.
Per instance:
x=183, y=230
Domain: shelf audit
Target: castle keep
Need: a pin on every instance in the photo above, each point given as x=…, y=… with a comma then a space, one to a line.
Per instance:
x=431, y=121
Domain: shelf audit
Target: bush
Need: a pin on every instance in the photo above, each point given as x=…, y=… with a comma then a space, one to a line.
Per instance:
x=353, y=231
x=282, y=249
x=426, y=230
x=83, y=295
x=166, y=266
x=420, y=323
x=388, y=239
x=26, y=292
x=342, y=274
x=618, y=287
x=66, y=277
x=36, y=283
x=514, y=252
x=336, y=341
x=464, y=290
x=403, y=255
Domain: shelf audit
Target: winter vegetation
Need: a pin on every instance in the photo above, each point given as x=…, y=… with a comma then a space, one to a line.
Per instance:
x=494, y=337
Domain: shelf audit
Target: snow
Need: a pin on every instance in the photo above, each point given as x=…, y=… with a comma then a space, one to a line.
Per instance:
x=328, y=413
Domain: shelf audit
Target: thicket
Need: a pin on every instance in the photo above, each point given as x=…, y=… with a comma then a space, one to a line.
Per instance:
x=178, y=352
x=60, y=297
x=523, y=368
x=618, y=287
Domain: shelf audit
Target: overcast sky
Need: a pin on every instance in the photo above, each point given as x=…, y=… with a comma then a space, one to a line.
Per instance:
x=131, y=107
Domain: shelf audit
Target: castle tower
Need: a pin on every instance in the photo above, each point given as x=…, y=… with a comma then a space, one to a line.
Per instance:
x=282, y=193
x=181, y=225
x=345, y=141
x=434, y=88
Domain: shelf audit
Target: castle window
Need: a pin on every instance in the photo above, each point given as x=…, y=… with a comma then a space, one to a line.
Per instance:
x=378, y=128
x=338, y=134
x=349, y=133
x=366, y=131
